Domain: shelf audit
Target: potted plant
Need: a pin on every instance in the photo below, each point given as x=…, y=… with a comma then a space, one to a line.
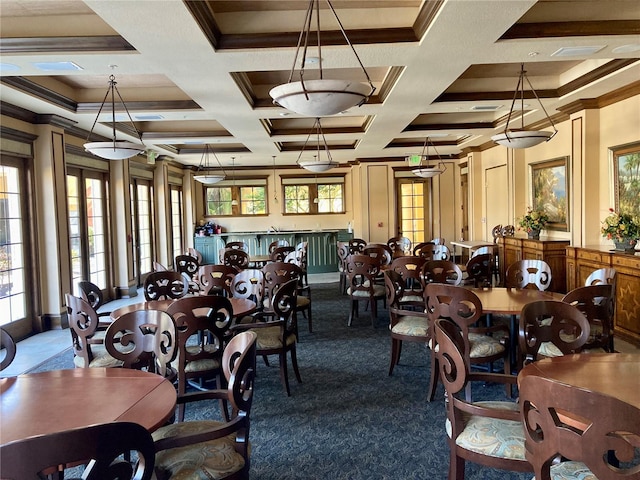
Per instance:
x=533, y=221
x=622, y=229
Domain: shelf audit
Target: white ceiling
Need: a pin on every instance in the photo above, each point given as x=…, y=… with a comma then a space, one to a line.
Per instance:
x=433, y=63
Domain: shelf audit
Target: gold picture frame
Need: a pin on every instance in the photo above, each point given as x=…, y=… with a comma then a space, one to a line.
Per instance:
x=550, y=191
x=626, y=178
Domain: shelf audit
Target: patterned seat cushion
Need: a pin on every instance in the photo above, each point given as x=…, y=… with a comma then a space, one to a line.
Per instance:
x=412, y=298
x=206, y=460
x=269, y=338
x=484, y=345
x=411, y=326
x=491, y=436
x=101, y=358
x=378, y=291
x=571, y=471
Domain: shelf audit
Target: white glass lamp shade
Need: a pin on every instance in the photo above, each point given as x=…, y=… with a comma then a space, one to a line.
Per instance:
x=209, y=178
x=319, y=98
x=118, y=150
x=522, y=138
x=429, y=171
x=318, y=166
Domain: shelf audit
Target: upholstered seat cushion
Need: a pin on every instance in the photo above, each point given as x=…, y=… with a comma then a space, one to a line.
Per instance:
x=204, y=364
x=411, y=298
x=571, y=471
x=269, y=338
x=491, y=436
x=411, y=326
x=302, y=302
x=101, y=358
x=484, y=345
x=378, y=291
x=206, y=460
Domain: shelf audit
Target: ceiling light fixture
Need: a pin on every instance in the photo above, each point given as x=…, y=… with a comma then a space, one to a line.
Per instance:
x=204, y=174
x=320, y=97
x=521, y=138
x=317, y=165
x=426, y=170
x=234, y=202
x=114, y=150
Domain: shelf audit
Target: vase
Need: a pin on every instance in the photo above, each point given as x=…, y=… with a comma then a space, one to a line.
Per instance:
x=534, y=234
x=625, y=245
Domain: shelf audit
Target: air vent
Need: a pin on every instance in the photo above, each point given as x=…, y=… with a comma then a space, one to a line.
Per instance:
x=576, y=51
x=486, y=108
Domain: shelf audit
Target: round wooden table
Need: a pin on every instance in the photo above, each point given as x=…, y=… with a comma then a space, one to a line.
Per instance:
x=241, y=307
x=509, y=301
x=613, y=374
x=58, y=400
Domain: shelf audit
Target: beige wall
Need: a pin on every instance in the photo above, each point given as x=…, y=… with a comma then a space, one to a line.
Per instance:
x=586, y=138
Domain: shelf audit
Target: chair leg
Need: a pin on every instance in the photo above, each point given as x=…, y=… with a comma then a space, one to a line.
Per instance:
x=374, y=311
x=284, y=377
x=266, y=360
x=396, y=347
x=435, y=372
x=294, y=364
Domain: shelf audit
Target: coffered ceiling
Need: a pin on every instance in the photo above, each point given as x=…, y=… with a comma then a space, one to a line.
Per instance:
x=195, y=72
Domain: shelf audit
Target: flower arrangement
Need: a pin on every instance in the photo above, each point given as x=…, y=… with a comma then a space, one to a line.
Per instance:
x=619, y=226
x=533, y=220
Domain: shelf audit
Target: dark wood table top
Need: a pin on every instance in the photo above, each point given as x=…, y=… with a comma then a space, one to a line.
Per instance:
x=510, y=300
x=58, y=400
x=241, y=307
x=613, y=374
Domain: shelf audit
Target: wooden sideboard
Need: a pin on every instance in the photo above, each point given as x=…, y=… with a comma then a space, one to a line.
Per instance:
x=581, y=261
x=513, y=249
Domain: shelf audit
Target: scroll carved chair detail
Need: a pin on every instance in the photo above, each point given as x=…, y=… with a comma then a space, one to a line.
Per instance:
x=167, y=285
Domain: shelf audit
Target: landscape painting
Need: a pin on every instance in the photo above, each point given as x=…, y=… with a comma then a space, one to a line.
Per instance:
x=626, y=175
x=550, y=190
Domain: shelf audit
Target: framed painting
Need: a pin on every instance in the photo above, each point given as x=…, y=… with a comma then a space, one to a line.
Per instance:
x=550, y=191
x=626, y=179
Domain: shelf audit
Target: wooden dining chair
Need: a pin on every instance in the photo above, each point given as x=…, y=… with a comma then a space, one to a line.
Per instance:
x=86, y=338
x=188, y=266
x=406, y=324
x=202, y=324
x=236, y=258
x=278, y=254
x=479, y=270
x=215, y=279
x=158, y=267
x=110, y=451
x=276, y=330
x=441, y=252
x=362, y=271
x=607, y=275
x=93, y=294
x=356, y=245
x=424, y=250
x=342, y=254
x=196, y=254
x=214, y=448
x=532, y=274
x=442, y=271
x=482, y=345
x=277, y=243
x=144, y=340
x=382, y=254
x=488, y=433
x=410, y=270
x=249, y=284
x=508, y=231
x=8, y=346
x=277, y=274
x=573, y=433
x=399, y=245
x=166, y=285
x=494, y=252
x=596, y=302
x=550, y=328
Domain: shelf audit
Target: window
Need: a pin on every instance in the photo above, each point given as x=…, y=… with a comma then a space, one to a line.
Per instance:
x=412, y=208
x=250, y=196
x=86, y=197
x=305, y=196
x=176, y=220
x=14, y=247
x=142, y=227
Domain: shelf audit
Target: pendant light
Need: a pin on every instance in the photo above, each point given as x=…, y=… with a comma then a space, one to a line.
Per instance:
x=426, y=170
x=114, y=149
x=204, y=173
x=234, y=202
x=521, y=138
x=317, y=165
x=320, y=97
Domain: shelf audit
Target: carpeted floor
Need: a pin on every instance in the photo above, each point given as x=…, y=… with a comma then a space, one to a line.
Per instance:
x=348, y=419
